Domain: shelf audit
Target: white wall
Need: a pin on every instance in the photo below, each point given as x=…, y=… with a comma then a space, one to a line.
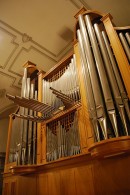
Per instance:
x=3, y=133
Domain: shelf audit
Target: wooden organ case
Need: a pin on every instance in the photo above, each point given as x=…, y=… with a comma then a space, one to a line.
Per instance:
x=82, y=112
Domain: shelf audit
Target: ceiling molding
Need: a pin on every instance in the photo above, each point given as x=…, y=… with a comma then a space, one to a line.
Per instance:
x=13, y=78
x=45, y=50
x=79, y=3
x=27, y=50
x=74, y=2
x=12, y=42
x=84, y=3
x=10, y=106
x=10, y=27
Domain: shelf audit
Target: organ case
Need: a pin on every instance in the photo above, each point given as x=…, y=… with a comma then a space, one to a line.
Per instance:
x=84, y=113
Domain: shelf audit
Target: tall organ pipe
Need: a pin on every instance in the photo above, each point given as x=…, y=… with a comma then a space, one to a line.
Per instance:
x=112, y=78
x=102, y=74
x=88, y=85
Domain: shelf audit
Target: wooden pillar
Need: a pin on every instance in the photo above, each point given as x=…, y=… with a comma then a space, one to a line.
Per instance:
x=86, y=132
x=8, y=138
x=44, y=143
x=118, y=50
x=39, y=126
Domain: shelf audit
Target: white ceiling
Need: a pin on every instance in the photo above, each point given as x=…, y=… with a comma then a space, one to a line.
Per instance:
x=42, y=32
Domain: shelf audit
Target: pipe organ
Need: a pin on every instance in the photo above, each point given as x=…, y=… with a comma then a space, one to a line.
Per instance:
x=76, y=117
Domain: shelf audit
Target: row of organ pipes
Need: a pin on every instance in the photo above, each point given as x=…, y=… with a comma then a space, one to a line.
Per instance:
x=106, y=95
x=62, y=88
x=61, y=91
x=125, y=40
x=62, y=137
x=107, y=100
x=24, y=148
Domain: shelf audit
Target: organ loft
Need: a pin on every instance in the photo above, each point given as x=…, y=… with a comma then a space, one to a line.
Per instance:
x=71, y=132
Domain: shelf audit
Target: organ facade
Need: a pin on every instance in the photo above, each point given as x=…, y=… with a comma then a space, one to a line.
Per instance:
x=70, y=134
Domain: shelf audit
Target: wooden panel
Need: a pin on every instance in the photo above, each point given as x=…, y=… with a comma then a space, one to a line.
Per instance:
x=5, y=188
x=112, y=176
x=13, y=188
x=54, y=183
x=10, y=186
x=44, y=143
x=84, y=180
x=68, y=182
x=42, y=184
x=27, y=185
x=86, y=132
x=82, y=132
x=8, y=139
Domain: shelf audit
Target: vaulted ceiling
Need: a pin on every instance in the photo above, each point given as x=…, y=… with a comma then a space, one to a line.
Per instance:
x=41, y=32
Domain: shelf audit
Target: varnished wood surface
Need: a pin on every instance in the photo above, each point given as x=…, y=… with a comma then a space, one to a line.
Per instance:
x=85, y=127
x=62, y=63
x=39, y=132
x=110, y=147
x=112, y=176
x=124, y=28
x=62, y=162
x=63, y=113
x=95, y=177
x=19, y=185
x=8, y=138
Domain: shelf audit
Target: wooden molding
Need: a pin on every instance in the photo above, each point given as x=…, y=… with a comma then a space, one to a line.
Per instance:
x=81, y=11
x=60, y=64
x=70, y=161
x=110, y=147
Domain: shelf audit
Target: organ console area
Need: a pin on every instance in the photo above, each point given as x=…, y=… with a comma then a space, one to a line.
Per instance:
x=71, y=131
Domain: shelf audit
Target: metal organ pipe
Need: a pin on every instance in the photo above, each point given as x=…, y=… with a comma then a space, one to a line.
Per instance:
x=61, y=90
x=125, y=44
x=63, y=137
x=117, y=74
x=101, y=115
x=99, y=65
x=64, y=81
x=102, y=74
x=26, y=153
x=112, y=79
x=128, y=37
x=90, y=97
